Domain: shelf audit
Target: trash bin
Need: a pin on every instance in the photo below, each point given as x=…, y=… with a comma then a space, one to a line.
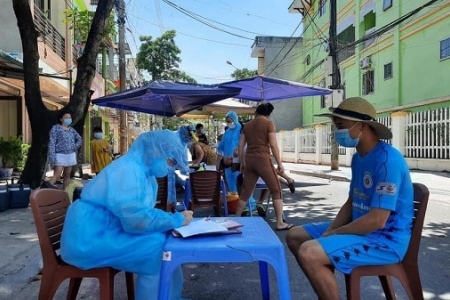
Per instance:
x=4, y=198
x=19, y=195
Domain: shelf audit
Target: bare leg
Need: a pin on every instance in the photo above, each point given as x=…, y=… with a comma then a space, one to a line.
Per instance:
x=285, y=179
x=314, y=263
x=56, y=174
x=67, y=171
x=282, y=180
x=264, y=194
x=295, y=237
x=241, y=207
x=278, y=207
x=316, y=266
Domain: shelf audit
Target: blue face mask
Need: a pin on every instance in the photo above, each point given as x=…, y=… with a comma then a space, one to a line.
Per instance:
x=98, y=135
x=343, y=138
x=67, y=122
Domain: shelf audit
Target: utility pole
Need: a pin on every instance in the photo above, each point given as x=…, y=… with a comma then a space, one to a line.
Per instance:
x=123, y=132
x=335, y=76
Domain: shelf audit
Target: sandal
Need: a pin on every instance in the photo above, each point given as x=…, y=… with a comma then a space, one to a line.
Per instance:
x=291, y=185
x=289, y=226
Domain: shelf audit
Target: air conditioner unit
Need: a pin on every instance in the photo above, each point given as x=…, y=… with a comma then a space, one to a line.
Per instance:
x=365, y=62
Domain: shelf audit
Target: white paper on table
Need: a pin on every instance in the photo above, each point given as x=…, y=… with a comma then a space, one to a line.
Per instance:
x=203, y=226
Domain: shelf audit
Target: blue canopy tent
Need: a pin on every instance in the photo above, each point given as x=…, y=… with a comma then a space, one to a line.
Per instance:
x=166, y=98
x=260, y=88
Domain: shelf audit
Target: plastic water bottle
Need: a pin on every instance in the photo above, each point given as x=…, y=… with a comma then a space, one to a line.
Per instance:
x=202, y=167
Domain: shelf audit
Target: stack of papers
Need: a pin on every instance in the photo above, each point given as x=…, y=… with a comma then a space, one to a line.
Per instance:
x=208, y=227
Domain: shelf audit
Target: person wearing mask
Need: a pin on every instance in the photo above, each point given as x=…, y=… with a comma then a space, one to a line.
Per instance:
x=227, y=147
x=100, y=151
x=200, y=132
x=259, y=135
x=64, y=143
x=115, y=224
x=373, y=227
x=187, y=135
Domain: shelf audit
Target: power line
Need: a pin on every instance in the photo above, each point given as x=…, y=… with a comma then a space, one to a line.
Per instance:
x=192, y=14
x=193, y=36
x=276, y=56
x=294, y=57
x=159, y=15
x=293, y=45
x=245, y=13
x=204, y=22
x=387, y=27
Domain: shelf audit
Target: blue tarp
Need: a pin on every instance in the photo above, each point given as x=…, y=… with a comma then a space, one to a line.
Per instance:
x=260, y=88
x=166, y=98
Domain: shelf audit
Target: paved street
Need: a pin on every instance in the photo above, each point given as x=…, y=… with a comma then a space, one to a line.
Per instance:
x=317, y=198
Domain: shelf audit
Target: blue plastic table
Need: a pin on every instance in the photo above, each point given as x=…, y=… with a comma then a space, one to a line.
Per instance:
x=257, y=242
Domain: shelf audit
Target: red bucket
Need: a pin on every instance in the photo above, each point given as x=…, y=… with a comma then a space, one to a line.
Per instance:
x=232, y=201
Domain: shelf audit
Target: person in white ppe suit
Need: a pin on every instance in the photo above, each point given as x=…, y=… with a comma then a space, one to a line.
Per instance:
x=115, y=224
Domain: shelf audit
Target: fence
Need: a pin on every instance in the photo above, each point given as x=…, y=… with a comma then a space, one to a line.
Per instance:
x=423, y=138
x=427, y=134
x=326, y=141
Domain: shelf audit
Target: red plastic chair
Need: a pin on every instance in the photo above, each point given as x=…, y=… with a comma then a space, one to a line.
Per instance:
x=205, y=190
x=407, y=271
x=49, y=208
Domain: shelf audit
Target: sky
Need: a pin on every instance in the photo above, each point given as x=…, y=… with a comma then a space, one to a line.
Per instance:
x=204, y=50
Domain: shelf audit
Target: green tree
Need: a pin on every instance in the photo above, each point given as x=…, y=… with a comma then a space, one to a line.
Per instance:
x=244, y=73
x=80, y=22
x=173, y=123
x=160, y=58
x=41, y=118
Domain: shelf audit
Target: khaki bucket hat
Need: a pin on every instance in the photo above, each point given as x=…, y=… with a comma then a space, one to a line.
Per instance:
x=359, y=109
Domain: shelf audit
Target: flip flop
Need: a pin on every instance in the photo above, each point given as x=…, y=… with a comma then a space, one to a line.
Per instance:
x=291, y=186
x=289, y=226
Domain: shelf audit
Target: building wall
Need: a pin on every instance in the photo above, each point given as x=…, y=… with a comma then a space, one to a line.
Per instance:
x=419, y=79
x=280, y=59
x=9, y=41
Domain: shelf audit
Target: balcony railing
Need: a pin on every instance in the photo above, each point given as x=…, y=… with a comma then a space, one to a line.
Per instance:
x=345, y=54
x=49, y=33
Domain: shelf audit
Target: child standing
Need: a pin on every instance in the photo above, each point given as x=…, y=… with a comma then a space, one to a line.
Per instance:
x=100, y=151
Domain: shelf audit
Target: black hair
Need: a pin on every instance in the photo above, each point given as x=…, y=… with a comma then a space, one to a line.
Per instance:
x=61, y=114
x=198, y=126
x=264, y=109
x=97, y=129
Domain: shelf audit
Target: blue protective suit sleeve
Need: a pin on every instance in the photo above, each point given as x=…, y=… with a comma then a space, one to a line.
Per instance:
x=129, y=199
x=171, y=186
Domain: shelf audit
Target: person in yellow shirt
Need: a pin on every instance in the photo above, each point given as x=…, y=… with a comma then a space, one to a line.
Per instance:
x=100, y=151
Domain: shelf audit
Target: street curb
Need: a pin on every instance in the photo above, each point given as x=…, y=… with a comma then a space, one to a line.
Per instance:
x=321, y=175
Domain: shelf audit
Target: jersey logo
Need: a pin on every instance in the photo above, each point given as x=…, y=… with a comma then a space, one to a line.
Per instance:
x=386, y=188
x=367, y=180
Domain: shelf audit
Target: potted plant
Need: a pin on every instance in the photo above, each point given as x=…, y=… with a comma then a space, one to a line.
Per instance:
x=13, y=153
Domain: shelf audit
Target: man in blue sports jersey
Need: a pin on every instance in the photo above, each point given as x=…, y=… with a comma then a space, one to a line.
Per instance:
x=373, y=227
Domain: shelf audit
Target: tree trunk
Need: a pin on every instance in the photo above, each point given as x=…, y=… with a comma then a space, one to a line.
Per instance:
x=79, y=126
x=42, y=119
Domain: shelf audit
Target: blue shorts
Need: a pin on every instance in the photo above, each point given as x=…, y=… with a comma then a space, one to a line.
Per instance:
x=348, y=251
